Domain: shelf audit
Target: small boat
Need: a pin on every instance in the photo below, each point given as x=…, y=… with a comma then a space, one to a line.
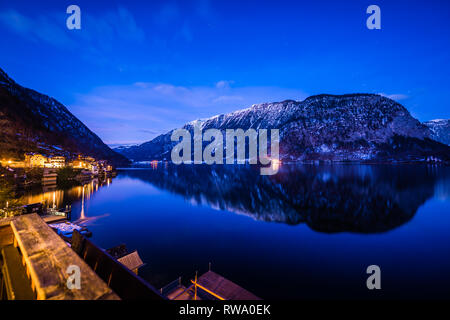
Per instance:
x=66, y=229
x=33, y=208
x=57, y=212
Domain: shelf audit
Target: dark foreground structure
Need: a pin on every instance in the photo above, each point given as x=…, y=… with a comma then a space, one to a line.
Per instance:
x=209, y=286
x=36, y=264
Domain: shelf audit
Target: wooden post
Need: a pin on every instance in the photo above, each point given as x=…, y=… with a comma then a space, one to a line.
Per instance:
x=195, y=286
x=210, y=292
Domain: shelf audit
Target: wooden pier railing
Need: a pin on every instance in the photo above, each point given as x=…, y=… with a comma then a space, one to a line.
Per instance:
x=119, y=278
x=45, y=259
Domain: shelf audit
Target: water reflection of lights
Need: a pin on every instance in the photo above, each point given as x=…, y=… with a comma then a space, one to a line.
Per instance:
x=86, y=191
x=82, y=204
x=275, y=164
x=56, y=198
x=50, y=199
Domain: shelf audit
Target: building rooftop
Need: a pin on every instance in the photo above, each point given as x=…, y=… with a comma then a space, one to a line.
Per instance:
x=132, y=260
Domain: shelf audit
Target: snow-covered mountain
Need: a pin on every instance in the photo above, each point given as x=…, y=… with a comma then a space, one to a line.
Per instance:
x=31, y=121
x=353, y=127
x=440, y=130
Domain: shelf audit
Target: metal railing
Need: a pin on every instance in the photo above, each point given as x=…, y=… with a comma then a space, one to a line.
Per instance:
x=171, y=287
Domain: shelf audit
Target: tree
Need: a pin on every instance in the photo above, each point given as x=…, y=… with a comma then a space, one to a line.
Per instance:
x=10, y=205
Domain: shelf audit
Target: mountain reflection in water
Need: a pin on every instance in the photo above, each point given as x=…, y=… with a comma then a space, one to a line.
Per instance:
x=328, y=198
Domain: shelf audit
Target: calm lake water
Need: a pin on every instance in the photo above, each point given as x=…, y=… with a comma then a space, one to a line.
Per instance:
x=307, y=232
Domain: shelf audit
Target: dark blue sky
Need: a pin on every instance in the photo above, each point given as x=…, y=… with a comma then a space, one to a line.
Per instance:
x=140, y=68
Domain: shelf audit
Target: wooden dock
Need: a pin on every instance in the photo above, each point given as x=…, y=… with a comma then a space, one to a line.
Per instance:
x=53, y=219
x=210, y=286
x=46, y=259
x=223, y=287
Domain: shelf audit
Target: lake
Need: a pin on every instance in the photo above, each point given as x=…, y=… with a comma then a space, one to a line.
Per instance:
x=309, y=231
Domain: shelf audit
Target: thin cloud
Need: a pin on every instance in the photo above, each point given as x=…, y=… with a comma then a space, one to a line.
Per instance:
x=224, y=84
x=97, y=34
x=395, y=96
x=143, y=110
x=203, y=8
x=39, y=28
x=234, y=99
x=147, y=131
x=168, y=13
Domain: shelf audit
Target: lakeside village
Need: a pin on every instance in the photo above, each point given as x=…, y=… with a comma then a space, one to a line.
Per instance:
x=37, y=169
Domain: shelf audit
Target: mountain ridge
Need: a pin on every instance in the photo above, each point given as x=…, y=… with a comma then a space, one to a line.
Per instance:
x=440, y=129
x=350, y=127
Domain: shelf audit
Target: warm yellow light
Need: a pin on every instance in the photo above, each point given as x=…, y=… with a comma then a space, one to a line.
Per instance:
x=275, y=163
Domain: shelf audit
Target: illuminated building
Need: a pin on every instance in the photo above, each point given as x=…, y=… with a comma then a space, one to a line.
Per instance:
x=35, y=160
x=83, y=162
x=56, y=162
x=12, y=163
